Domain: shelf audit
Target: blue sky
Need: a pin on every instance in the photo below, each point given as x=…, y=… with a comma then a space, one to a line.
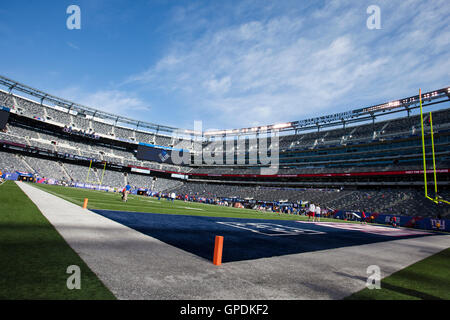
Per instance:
x=230, y=64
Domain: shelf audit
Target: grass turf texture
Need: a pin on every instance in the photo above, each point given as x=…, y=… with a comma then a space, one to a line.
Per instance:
x=428, y=279
x=34, y=256
x=112, y=201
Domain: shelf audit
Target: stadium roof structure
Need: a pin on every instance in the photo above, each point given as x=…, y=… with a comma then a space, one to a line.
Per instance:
x=81, y=109
x=332, y=120
x=353, y=116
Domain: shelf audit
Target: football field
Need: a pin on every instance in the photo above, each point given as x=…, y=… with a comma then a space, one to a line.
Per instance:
x=155, y=249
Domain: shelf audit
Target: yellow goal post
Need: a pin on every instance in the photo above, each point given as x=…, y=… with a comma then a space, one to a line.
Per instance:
x=437, y=198
x=95, y=181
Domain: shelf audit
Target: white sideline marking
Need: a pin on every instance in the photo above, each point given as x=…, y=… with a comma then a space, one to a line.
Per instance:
x=191, y=208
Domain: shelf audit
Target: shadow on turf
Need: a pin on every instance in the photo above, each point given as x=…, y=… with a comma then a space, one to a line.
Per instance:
x=397, y=289
x=409, y=292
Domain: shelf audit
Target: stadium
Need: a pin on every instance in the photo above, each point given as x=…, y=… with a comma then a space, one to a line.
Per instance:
x=224, y=214
x=62, y=144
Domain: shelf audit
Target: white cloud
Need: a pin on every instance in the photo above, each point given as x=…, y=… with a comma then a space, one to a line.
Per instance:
x=288, y=66
x=112, y=101
x=220, y=86
x=115, y=101
x=73, y=46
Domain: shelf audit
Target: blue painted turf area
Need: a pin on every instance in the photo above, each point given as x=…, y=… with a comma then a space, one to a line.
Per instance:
x=244, y=239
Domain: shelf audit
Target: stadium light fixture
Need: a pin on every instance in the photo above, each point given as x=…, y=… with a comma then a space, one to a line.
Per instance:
x=281, y=125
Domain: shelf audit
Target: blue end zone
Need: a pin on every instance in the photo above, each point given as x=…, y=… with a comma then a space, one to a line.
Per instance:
x=246, y=239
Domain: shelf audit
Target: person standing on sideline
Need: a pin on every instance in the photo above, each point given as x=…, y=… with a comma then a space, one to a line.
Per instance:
x=126, y=191
x=312, y=210
x=363, y=217
x=318, y=212
x=394, y=221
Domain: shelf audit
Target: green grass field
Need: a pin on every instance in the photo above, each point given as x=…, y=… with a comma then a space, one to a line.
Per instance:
x=34, y=257
x=112, y=201
x=428, y=279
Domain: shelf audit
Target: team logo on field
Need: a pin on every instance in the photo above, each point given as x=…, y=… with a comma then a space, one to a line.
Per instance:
x=270, y=229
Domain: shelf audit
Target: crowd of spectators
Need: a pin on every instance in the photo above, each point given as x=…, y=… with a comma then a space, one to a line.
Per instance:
x=388, y=201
